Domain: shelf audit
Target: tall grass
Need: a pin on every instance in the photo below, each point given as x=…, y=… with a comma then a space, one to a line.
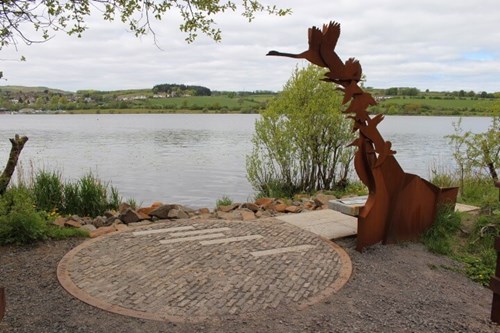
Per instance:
x=48, y=190
x=439, y=238
x=88, y=196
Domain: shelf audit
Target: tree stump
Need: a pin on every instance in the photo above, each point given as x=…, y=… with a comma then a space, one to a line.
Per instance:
x=18, y=143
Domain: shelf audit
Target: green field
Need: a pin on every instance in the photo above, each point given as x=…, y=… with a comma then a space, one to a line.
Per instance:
x=436, y=106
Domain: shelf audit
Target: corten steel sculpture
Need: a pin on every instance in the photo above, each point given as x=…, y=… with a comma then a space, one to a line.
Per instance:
x=495, y=287
x=400, y=206
x=2, y=303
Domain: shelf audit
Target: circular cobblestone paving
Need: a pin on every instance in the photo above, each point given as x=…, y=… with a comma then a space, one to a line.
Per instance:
x=193, y=270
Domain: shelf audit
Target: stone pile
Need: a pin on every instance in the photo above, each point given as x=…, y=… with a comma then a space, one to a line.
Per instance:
x=127, y=217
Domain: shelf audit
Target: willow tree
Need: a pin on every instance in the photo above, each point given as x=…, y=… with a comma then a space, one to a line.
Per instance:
x=300, y=140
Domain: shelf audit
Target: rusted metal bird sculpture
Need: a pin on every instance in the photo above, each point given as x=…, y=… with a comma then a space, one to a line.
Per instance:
x=400, y=206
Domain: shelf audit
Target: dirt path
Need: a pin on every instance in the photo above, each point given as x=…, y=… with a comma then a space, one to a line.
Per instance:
x=392, y=289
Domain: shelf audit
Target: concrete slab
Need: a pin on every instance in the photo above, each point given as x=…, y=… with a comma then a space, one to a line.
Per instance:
x=349, y=206
x=326, y=223
x=465, y=208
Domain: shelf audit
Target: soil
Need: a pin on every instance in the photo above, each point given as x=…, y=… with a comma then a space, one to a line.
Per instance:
x=395, y=288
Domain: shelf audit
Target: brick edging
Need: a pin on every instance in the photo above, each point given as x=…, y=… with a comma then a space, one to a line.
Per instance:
x=64, y=278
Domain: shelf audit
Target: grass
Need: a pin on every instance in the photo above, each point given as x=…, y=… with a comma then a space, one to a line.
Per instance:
x=468, y=238
x=224, y=201
x=27, y=210
x=439, y=238
x=433, y=106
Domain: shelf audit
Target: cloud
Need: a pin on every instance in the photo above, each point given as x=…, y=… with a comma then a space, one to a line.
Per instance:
x=445, y=45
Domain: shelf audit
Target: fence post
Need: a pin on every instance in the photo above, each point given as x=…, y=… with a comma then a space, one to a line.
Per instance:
x=2, y=302
x=495, y=287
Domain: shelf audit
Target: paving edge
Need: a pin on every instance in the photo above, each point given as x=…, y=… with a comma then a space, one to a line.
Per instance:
x=65, y=281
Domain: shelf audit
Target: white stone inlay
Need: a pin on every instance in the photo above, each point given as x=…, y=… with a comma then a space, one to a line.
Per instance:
x=230, y=239
x=197, y=232
x=192, y=238
x=297, y=248
x=159, y=231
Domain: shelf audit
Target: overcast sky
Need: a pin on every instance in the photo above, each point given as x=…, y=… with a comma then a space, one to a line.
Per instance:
x=428, y=44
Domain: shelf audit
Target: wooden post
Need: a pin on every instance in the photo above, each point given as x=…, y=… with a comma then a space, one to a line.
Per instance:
x=17, y=145
x=495, y=287
x=2, y=302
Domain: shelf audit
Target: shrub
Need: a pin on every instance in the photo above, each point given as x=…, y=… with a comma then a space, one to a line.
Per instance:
x=300, y=140
x=19, y=222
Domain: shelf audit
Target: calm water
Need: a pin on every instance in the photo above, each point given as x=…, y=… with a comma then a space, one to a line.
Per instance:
x=189, y=159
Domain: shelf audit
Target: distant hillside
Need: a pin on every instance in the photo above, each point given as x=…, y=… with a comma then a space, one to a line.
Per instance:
x=23, y=89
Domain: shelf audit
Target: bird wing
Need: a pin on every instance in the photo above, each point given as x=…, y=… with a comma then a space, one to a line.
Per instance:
x=330, y=36
x=314, y=39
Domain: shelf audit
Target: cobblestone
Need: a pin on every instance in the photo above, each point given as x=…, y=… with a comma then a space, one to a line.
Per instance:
x=148, y=273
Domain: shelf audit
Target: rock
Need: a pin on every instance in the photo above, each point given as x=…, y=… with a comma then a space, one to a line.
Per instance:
x=177, y=214
x=88, y=227
x=72, y=223
x=292, y=209
x=249, y=205
x=101, y=231
x=156, y=204
x=322, y=199
x=123, y=207
x=138, y=224
x=78, y=219
x=146, y=210
x=143, y=216
x=247, y=216
x=129, y=216
x=60, y=221
x=234, y=215
x=203, y=211
x=100, y=222
x=120, y=226
x=309, y=205
x=264, y=202
x=110, y=213
x=280, y=208
x=301, y=196
x=228, y=208
x=110, y=220
x=85, y=220
x=263, y=213
x=162, y=211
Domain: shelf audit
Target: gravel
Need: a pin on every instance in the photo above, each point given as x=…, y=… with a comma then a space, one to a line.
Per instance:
x=395, y=288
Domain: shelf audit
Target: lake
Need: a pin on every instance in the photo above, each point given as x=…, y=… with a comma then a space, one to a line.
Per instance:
x=191, y=159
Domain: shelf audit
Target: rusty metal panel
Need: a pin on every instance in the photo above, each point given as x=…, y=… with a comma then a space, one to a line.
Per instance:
x=400, y=206
x=2, y=302
x=495, y=287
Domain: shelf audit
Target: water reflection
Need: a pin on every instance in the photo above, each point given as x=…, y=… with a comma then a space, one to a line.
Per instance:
x=189, y=159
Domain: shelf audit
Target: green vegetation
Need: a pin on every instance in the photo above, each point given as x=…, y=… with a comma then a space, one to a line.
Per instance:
x=86, y=197
x=36, y=21
x=27, y=211
x=20, y=223
x=180, y=98
x=224, y=201
x=469, y=238
x=439, y=238
x=300, y=140
x=132, y=101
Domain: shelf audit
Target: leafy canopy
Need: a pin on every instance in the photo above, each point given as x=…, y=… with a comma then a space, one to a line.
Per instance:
x=300, y=140
x=47, y=16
